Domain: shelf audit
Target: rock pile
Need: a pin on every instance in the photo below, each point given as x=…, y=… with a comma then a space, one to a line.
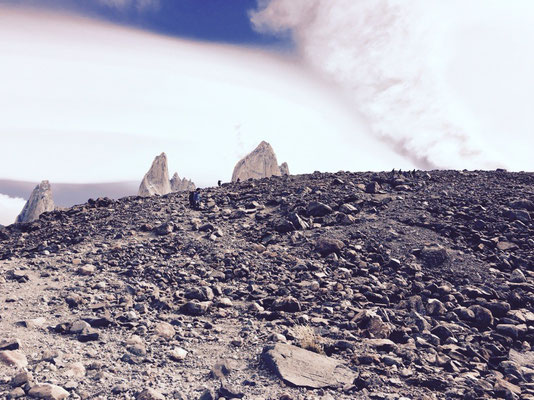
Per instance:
x=261, y=163
x=323, y=286
x=40, y=201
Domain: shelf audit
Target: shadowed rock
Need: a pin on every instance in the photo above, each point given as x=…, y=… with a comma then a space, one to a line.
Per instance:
x=156, y=180
x=40, y=201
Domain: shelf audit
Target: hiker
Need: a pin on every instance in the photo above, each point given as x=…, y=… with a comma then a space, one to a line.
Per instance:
x=196, y=199
x=219, y=183
x=192, y=199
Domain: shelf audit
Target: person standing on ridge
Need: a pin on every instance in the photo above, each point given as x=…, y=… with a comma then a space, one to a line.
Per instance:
x=197, y=198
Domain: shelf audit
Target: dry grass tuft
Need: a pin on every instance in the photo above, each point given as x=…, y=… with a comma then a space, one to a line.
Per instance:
x=307, y=338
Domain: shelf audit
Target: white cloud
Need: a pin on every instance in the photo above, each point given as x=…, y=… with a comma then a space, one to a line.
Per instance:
x=92, y=102
x=444, y=82
x=10, y=207
x=139, y=5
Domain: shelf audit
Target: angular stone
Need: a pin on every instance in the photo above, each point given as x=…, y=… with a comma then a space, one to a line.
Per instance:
x=13, y=358
x=178, y=354
x=483, y=316
x=304, y=368
x=433, y=256
x=517, y=276
x=203, y=293
x=47, y=391
x=195, y=309
x=9, y=344
x=326, y=246
x=287, y=304
x=164, y=330
x=87, y=270
x=318, y=209
x=21, y=378
x=150, y=394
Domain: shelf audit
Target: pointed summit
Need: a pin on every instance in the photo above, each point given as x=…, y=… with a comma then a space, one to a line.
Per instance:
x=40, y=201
x=156, y=180
x=261, y=163
x=181, y=185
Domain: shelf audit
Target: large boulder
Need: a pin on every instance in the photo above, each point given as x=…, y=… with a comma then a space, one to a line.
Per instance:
x=261, y=163
x=181, y=184
x=156, y=180
x=300, y=367
x=40, y=201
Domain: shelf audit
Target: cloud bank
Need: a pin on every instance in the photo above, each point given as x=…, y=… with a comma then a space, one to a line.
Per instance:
x=444, y=83
x=84, y=101
x=10, y=207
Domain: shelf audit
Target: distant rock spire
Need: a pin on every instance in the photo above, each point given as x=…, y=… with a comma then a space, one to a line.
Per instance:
x=40, y=201
x=284, y=169
x=181, y=185
x=156, y=180
x=261, y=163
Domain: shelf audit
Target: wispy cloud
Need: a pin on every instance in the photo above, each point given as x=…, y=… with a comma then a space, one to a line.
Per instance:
x=95, y=102
x=138, y=5
x=426, y=75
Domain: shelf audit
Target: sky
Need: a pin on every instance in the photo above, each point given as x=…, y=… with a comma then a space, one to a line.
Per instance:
x=92, y=91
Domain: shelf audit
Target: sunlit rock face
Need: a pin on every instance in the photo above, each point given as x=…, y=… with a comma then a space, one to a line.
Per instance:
x=261, y=163
x=40, y=201
x=181, y=184
x=156, y=180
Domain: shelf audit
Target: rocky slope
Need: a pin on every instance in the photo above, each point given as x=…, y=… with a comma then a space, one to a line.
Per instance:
x=156, y=180
x=181, y=184
x=40, y=201
x=260, y=163
x=321, y=286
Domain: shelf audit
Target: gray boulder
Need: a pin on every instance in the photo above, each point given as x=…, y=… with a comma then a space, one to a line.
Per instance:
x=40, y=201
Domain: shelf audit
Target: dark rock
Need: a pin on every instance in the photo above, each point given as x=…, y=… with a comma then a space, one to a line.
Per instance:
x=318, y=209
x=442, y=332
x=287, y=304
x=326, y=246
x=9, y=344
x=195, y=308
x=483, y=316
x=230, y=392
x=433, y=256
x=372, y=187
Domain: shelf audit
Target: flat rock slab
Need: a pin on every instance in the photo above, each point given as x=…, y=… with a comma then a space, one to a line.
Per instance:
x=304, y=368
